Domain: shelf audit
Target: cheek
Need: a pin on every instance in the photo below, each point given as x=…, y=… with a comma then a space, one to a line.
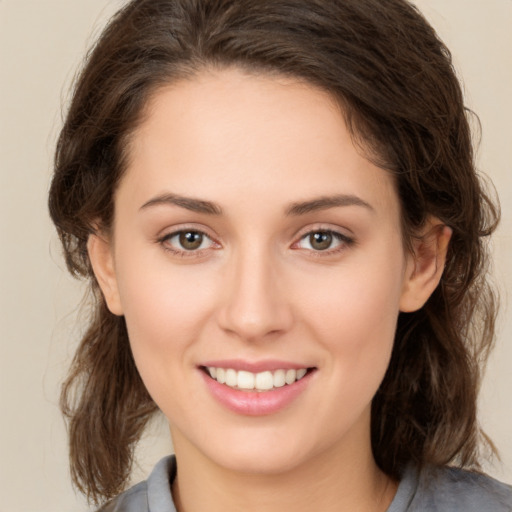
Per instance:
x=357, y=299
x=165, y=314
x=165, y=306
x=354, y=317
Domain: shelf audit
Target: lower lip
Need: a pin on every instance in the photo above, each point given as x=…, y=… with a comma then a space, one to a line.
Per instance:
x=256, y=403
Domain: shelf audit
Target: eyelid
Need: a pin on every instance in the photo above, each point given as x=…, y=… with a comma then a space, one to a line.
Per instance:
x=169, y=233
x=338, y=233
x=344, y=240
x=329, y=227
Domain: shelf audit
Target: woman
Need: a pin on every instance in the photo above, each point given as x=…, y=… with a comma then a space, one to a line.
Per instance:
x=276, y=205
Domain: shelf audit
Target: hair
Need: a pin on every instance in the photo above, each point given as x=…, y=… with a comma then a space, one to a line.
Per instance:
x=404, y=107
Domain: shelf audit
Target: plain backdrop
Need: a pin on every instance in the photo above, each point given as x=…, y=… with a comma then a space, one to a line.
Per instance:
x=41, y=45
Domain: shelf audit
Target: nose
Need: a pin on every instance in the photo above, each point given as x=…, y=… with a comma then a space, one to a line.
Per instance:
x=256, y=305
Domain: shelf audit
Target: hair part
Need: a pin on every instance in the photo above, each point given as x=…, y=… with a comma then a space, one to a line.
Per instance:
x=402, y=103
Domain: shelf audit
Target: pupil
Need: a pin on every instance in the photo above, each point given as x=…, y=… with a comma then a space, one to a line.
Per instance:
x=321, y=241
x=191, y=240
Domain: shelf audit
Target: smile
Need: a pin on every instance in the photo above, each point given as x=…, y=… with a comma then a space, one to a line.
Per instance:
x=262, y=381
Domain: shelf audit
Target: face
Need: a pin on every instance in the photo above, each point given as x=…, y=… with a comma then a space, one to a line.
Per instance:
x=254, y=244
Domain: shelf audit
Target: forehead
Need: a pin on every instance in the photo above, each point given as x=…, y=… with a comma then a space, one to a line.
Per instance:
x=231, y=135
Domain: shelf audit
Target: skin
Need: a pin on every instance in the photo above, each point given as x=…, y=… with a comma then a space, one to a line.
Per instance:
x=257, y=288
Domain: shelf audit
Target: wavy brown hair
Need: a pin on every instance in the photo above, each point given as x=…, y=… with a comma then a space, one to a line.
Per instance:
x=404, y=107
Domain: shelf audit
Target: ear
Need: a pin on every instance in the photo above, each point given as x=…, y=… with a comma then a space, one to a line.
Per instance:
x=102, y=260
x=425, y=265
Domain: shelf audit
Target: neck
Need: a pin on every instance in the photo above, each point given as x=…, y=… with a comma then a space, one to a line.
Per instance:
x=337, y=480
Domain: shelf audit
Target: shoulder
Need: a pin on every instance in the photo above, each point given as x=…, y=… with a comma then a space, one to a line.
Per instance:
x=152, y=495
x=134, y=499
x=451, y=489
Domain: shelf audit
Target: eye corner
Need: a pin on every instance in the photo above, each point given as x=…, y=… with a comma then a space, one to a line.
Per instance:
x=323, y=242
x=187, y=242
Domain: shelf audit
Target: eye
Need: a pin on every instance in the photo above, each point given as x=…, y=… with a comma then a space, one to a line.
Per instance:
x=188, y=240
x=323, y=240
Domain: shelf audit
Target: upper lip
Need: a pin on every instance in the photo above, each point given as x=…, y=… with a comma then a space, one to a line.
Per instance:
x=255, y=366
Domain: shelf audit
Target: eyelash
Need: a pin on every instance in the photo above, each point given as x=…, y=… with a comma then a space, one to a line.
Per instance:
x=184, y=253
x=343, y=240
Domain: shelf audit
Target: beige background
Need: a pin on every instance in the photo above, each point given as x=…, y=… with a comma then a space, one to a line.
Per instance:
x=41, y=44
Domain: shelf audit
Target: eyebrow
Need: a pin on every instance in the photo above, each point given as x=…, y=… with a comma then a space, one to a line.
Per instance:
x=295, y=209
x=325, y=202
x=189, y=203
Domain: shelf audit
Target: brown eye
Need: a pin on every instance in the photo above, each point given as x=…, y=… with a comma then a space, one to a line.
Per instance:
x=320, y=240
x=190, y=240
x=326, y=241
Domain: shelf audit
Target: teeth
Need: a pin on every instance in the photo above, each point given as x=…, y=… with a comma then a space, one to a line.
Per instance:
x=231, y=378
x=221, y=375
x=245, y=380
x=279, y=378
x=290, y=377
x=263, y=381
x=301, y=373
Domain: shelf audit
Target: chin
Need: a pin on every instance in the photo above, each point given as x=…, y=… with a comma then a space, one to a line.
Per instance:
x=260, y=454
x=258, y=462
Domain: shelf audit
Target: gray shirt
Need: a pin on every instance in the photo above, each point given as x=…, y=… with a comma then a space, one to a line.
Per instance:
x=429, y=490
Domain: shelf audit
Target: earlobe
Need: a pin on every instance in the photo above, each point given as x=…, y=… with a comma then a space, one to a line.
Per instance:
x=102, y=261
x=425, y=266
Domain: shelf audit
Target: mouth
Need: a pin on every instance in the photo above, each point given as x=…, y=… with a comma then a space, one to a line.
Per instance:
x=256, y=388
x=243, y=380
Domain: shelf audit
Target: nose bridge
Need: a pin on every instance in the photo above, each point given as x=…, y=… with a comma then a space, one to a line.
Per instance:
x=256, y=303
